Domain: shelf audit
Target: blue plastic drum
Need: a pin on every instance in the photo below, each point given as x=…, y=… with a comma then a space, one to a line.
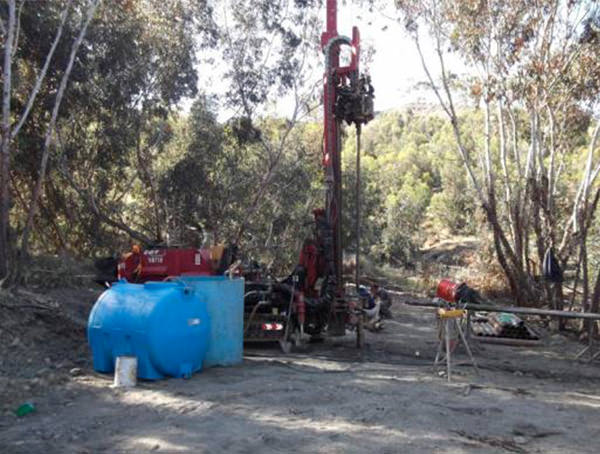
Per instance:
x=166, y=325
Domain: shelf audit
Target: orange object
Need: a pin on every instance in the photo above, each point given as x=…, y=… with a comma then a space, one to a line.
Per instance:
x=448, y=290
x=216, y=252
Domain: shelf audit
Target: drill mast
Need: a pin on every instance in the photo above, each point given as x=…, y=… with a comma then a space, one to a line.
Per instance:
x=347, y=96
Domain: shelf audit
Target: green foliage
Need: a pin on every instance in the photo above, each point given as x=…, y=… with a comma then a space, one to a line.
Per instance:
x=265, y=45
x=126, y=157
x=138, y=60
x=412, y=187
x=209, y=192
x=126, y=164
x=405, y=211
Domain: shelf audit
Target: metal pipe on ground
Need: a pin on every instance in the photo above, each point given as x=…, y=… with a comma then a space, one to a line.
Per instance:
x=514, y=310
x=508, y=341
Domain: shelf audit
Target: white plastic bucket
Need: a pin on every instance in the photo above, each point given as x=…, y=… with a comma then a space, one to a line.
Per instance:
x=125, y=371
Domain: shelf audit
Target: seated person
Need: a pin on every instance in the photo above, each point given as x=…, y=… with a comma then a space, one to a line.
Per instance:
x=371, y=309
x=383, y=297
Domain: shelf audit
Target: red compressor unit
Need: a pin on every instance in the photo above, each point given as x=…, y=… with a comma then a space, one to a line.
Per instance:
x=158, y=264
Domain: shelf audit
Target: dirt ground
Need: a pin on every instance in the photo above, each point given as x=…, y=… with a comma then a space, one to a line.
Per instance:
x=330, y=398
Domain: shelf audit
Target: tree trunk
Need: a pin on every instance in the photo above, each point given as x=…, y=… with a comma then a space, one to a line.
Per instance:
x=586, y=283
x=146, y=175
x=514, y=288
x=560, y=304
x=595, y=303
x=5, y=157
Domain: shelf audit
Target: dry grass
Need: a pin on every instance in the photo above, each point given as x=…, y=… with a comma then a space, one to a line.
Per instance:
x=49, y=272
x=460, y=259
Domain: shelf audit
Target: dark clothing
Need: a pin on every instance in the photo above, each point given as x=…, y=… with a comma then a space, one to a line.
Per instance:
x=551, y=268
x=386, y=303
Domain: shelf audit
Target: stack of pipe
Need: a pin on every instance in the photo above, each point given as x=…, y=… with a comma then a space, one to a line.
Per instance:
x=502, y=325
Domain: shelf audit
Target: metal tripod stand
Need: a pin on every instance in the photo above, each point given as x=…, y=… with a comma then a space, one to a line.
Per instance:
x=449, y=318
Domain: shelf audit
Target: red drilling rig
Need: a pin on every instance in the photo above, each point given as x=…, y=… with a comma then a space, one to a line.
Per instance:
x=347, y=96
x=312, y=300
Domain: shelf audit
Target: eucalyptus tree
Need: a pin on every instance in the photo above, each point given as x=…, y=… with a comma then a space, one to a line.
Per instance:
x=142, y=63
x=12, y=32
x=534, y=66
x=85, y=83
x=271, y=50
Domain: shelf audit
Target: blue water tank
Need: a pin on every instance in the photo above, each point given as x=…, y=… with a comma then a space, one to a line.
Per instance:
x=224, y=299
x=166, y=325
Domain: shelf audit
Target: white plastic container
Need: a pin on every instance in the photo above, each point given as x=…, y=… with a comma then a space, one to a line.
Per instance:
x=125, y=372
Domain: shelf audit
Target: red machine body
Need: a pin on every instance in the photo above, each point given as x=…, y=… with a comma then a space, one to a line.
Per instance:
x=158, y=264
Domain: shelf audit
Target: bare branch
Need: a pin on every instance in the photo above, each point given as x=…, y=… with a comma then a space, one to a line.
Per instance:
x=503, y=161
x=515, y=141
x=489, y=170
x=42, y=74
x=587, y=179
x=87, y=197
x=595, y=174
x=532, y=148
x=18, y=30
x=551, y=171
x=573, y=224
x=93, y=5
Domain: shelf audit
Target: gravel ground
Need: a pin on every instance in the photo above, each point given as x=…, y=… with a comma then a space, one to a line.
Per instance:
x=331, y=398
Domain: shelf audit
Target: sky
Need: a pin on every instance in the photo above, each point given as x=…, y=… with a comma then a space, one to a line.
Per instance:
x=395, y=69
